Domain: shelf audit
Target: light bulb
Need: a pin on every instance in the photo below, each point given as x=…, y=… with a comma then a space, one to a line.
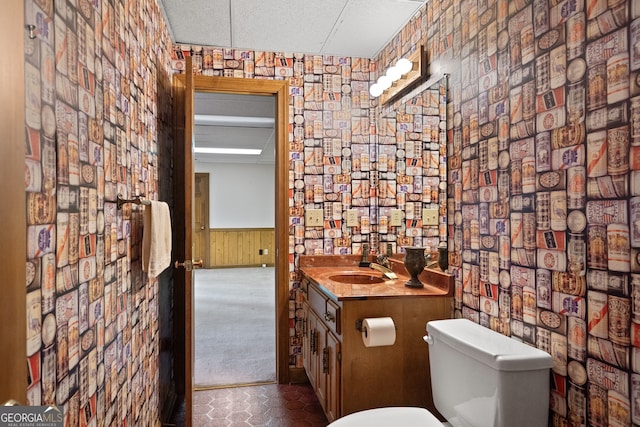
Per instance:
x=394, y=74
x=384, y=82
x=375, y=90
x=404, y=65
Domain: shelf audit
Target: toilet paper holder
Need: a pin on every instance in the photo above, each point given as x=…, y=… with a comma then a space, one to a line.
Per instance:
x=361, y=328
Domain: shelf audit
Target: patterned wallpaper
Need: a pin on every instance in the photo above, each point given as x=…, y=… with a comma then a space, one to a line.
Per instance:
x=543, y=171
x=543, y=146
x=94, y=129
x=543, y=112
x=347, y=153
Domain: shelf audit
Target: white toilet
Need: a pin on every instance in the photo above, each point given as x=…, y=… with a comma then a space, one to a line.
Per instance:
x=479, y=378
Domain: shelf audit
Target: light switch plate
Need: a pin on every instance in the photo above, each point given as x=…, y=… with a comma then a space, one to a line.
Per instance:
x=429, y=216
x=352, y=217
x=313, y=218
x=396, y=218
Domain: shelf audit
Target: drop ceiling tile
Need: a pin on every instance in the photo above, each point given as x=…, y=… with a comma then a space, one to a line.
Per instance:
x=199, y=22
x=368, y=25
x=284, y=25
x=356, y=28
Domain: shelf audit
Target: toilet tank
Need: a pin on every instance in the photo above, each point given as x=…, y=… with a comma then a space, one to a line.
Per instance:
x=481, y=378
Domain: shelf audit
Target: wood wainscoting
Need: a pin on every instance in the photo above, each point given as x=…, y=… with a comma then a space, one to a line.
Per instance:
x=240, y=247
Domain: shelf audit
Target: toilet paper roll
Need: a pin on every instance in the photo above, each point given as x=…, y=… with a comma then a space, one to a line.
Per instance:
x=378, y=331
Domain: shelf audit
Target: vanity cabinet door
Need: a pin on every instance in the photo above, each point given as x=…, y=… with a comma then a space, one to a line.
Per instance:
x=321, y=350
x=319, y=359
x=332, y=367
x=314, y=345
x=310, y=344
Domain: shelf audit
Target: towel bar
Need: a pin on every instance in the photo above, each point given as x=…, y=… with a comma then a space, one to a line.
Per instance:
x=137, y=200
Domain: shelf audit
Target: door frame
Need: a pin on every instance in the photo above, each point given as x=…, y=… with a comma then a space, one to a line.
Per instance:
x=13, y=304
x=279, y=89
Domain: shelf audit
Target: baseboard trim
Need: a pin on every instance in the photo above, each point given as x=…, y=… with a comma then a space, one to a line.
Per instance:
x=297, y=376
x=216, y=387
x=240, y=266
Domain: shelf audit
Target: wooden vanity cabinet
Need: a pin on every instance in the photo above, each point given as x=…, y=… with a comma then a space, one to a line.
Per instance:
x=321, y=356
x=349, y=377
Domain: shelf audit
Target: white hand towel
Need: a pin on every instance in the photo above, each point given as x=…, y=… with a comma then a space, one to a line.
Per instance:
x=156, y=238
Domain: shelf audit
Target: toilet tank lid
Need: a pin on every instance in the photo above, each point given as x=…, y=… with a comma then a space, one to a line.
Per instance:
x=489, y=347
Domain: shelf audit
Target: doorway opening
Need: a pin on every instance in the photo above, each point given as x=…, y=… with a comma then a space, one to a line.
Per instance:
x=184, y=88
x=234, y=208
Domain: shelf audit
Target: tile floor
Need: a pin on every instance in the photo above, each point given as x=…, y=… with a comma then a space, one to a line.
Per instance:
x=273, y=405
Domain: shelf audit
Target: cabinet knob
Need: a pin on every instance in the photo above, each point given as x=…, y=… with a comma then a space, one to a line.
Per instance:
x=329, y=317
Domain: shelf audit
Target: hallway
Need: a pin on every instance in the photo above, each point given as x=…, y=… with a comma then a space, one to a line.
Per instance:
x=235, y=339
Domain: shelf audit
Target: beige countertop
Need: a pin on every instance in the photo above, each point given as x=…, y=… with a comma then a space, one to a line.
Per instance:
x=320, y=270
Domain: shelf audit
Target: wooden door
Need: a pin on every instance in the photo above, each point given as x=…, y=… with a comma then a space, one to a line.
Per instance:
x=13, y=304
x=13, y=333
x=184, y=86
x=201, y=235
x=183, y=94
x=280, y=90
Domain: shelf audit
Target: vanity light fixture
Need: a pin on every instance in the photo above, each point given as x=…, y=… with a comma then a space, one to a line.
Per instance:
x=242, y=151
x=399, y=76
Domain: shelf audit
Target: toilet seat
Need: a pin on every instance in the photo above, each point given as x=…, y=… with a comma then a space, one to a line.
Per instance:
x=392, y=416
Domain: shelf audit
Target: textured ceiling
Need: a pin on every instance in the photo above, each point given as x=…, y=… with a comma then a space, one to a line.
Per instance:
x=352, y=28
x=355, y=28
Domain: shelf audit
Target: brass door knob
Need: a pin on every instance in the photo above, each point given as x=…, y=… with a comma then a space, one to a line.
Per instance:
x=189, y=264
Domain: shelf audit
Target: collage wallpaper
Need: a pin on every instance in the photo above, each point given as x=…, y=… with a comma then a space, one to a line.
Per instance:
x=543, y=176
x=543, y=160
x=94, y=129
x=544, y=186
x=342, y=157
x=542, y=201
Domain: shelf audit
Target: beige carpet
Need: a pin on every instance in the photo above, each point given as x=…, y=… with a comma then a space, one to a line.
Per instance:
x=235, y=338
